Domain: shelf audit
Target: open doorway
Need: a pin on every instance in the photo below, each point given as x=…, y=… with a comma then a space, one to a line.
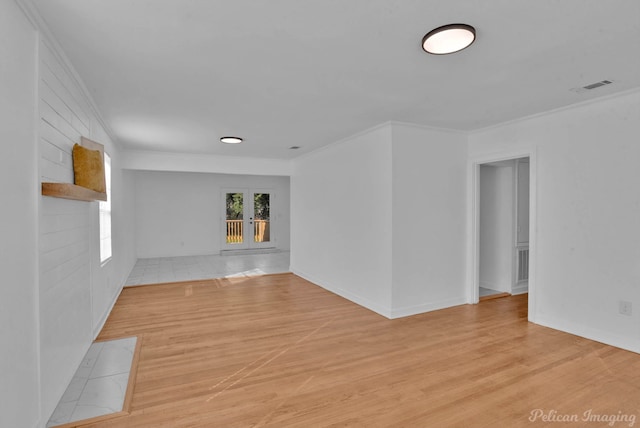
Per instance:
x=503, y=219
x=503, y=268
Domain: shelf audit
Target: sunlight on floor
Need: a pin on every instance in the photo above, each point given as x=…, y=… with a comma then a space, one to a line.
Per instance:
x=172, y=269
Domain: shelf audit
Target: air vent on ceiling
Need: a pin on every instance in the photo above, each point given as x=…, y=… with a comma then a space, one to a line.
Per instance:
x=592, y=86
x=598, y=84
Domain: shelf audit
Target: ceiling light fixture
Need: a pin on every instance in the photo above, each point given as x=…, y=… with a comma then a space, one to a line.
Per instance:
x=231, y=140
x=448, y=39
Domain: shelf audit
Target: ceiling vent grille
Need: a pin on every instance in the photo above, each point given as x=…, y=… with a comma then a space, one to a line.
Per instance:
x=592, y=86
x=597, y=84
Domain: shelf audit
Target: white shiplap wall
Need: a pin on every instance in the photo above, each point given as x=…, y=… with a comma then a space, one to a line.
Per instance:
x=76, y=291
x=64, y=117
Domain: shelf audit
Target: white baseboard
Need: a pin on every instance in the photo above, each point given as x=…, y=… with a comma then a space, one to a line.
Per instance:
x=590, y=333
x=427, y=307
x=362, y=301
x=520, y=288
x=249, y=251
x=385, y=312
x=103, y=320
x=485, y=284
x=503, y=288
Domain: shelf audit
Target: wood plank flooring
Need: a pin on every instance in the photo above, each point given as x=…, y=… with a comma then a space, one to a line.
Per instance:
x=278, y=351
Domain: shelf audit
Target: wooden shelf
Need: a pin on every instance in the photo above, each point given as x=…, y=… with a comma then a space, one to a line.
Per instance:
x=72, y=191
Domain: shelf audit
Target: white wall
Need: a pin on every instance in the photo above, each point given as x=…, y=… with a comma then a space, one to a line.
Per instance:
x=341, y=218
x=588, y=205
x=190, y=162
x=429, y=226
x=107, y=280
x=76, y=290
x=497, y=211
x=180, y=213
x=379, y=218
x=56, y=294
x=19, y=384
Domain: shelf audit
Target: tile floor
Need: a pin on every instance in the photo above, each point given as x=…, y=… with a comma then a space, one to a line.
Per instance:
x=100, y=383
x=171, y=269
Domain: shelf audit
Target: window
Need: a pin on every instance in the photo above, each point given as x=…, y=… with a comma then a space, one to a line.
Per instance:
x=105, y=215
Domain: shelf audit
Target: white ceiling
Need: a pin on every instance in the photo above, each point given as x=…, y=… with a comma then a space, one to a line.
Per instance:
x=176, y=75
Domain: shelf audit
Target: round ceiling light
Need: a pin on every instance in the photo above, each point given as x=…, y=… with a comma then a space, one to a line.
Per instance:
x=231, y=140
x=448, y=39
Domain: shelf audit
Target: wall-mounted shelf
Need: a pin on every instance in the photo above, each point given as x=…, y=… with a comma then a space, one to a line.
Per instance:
x=72, y=191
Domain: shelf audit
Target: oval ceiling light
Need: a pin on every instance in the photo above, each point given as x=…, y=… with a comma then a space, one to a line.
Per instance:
x=231, y=140
x=448, y=39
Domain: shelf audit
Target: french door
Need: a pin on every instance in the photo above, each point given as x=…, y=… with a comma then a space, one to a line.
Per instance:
x=247, y=218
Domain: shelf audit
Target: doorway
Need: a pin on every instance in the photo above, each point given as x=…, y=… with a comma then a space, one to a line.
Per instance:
x=502, y=224
x=504, y=228
x=247, y=219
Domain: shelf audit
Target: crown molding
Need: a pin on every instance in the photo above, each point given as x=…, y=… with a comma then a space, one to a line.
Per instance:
x=31, y=12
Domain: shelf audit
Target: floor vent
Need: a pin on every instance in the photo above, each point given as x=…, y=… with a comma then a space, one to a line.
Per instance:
x=523, y=264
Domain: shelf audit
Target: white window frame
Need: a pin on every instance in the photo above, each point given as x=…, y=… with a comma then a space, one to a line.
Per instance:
x=105, y=215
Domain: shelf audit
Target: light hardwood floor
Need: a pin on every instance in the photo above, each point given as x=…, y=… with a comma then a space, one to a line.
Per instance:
x=279, y=351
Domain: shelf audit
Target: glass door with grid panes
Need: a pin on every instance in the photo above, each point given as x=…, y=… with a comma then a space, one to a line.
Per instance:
x=247, y=218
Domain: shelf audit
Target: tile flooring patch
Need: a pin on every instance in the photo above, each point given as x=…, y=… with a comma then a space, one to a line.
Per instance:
x=101, y=396
x=100, y=383
x=187, y=268
x=114, y=358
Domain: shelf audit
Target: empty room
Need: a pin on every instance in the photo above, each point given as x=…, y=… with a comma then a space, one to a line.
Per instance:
x=368, y=213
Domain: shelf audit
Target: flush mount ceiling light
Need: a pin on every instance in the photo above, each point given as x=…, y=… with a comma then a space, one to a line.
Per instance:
x=448, y=39
x=231, y=140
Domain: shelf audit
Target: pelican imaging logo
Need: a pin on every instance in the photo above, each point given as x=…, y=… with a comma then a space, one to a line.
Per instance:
x=588, y=416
